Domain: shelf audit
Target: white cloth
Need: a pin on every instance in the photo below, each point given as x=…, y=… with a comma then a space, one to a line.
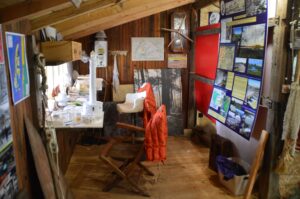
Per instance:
x=291, y=122
x=116, y=81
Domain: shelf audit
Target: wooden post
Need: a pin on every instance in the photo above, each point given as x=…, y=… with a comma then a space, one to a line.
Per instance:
x=269, y=180
x=256, y=163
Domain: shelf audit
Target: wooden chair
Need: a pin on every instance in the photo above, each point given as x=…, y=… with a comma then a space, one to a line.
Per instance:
x=129, y=153
x=129, y=150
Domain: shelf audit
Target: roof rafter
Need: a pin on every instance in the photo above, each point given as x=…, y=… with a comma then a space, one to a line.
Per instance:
x=28, y=9
x=59, y=16
x=102, y=19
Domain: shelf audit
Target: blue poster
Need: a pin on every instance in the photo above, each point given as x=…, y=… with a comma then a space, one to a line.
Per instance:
x=238, y=81
x=18, y=67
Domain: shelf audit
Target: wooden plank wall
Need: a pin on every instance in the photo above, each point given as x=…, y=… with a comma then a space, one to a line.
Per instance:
x=27, y=180
x=119, y=38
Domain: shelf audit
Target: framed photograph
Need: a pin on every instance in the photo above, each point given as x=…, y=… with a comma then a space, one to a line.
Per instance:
x=226, y=31
x=179, y=21
x=234, y=6
x=253, y=41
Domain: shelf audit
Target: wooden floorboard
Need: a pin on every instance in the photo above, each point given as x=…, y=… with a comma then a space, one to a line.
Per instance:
x=185, y=175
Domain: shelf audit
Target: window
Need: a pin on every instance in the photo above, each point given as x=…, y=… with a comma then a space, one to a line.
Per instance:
x=58, y=76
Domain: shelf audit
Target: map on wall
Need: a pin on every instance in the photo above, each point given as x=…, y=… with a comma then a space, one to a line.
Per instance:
x=238, y=81
x=147, y=48
x=18, y=67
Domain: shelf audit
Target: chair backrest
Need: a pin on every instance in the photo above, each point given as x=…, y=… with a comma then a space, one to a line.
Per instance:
x=156, y=136
x=149, y=102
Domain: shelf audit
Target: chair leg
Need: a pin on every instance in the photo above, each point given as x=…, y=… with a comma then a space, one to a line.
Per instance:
x=116, y=179
x=122, y=174
x=136, y=187
x=150, y=173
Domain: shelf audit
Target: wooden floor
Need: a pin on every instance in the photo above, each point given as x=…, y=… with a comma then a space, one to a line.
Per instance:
x=185, y=175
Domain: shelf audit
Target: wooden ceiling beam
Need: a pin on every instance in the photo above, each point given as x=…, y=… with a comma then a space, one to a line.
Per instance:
x=31, y=8
x=115, y=15
x=59, y=16
x=202, y=3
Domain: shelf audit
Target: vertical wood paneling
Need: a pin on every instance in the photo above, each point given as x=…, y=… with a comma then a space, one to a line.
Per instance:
x=25, y=172
x=119, y=38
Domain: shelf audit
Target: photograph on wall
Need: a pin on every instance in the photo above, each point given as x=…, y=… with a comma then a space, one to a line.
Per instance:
x=226, y=56
x=255, y=67
x=221, y=78
x=18, y=67
x=240, y=65
x=234, y=6
x=247, y=124
x=235, y=114
x=219, y=104
x=147, y=48
x=226, y=31
x=252, y=95
x=255, y=7
x=8, y=175
x=167, y=89
x=252, y=41
x=237, y=35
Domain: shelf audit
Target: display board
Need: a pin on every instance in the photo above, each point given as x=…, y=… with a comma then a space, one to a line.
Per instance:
x=8, y=176
x=238, y=82
x=18, y=67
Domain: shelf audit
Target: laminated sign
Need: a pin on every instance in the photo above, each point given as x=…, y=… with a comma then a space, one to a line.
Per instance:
x=238, y=82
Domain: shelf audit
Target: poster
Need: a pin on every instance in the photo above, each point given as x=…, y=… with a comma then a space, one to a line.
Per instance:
x=18, y=67
x=239, y=77
x=167, y=89
x=8, y=178
x=147, y=48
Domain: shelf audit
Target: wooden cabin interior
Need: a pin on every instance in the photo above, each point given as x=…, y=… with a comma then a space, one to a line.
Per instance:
x=162, y=99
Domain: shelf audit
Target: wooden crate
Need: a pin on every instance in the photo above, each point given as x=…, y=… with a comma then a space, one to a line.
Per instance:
x=61, y=51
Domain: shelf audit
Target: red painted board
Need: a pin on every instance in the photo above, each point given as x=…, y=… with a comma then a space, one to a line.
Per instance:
x=206, y=53
x=203, y=92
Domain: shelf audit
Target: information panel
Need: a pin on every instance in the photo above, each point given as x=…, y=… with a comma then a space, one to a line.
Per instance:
x=238, y=82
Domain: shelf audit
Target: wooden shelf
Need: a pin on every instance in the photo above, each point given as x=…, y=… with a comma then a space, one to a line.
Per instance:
x=61, y=51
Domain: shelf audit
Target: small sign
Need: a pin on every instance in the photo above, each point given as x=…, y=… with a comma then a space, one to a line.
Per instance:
x=177, y=61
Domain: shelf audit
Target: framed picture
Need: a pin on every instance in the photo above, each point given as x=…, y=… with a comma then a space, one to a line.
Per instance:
x=18, y=67
x=179, y=21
